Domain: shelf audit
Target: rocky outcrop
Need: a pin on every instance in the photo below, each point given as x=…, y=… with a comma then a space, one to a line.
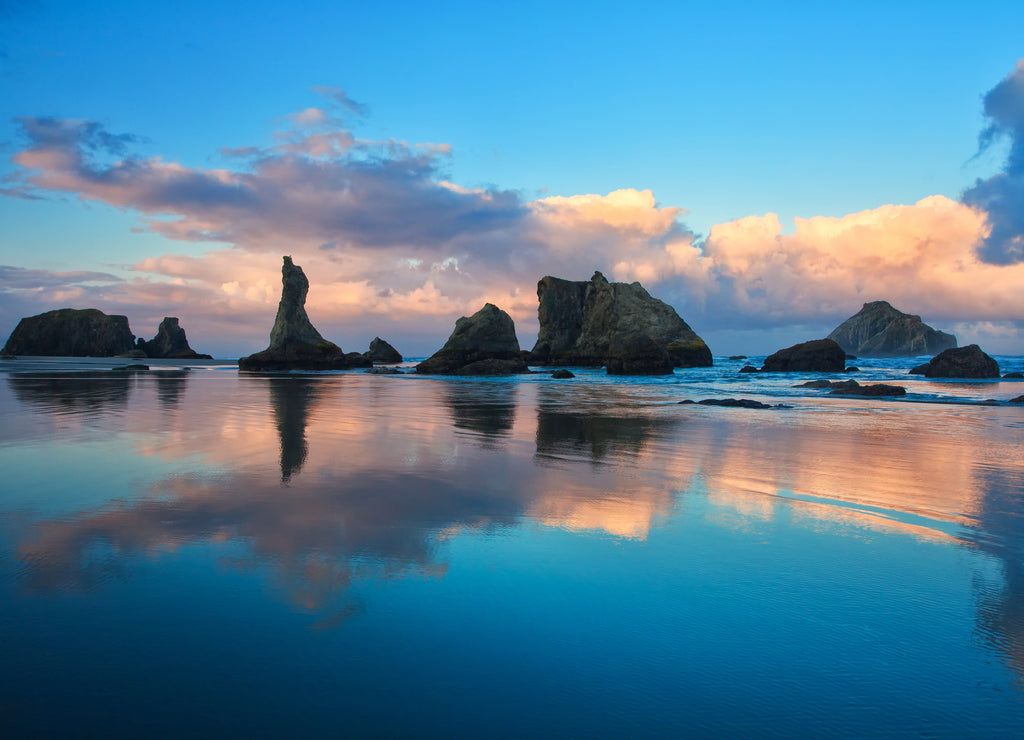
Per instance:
x=482, y=344
x=381, y=351
x=618, y=325
x=962, y=362
x=818, y=355
x=294, y=343
x=170, y=343
x=879, y=330
x=874, y=390
x=69, y=332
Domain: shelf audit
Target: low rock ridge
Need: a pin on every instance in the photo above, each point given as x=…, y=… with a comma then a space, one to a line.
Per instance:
x=71, y=332
x=482, y=344
x=295, y=344
x=618, y=325
x=879, y=330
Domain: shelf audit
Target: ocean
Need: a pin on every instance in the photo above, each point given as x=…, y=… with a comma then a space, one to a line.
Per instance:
x=195, y=552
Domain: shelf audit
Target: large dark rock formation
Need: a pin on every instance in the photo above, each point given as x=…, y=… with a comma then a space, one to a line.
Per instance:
x=963, y=362
x=482, y=344
x=69, y=332
x=170, y=343
x=381, y=351
x=818, y=355
x=618, y=325
x=879, y=330
x=294, y=343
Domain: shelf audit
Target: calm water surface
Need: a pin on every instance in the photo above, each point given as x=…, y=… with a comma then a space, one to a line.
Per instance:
x=208, y=554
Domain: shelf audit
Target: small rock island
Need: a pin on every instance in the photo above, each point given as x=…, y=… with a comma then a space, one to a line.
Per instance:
x=71, y=332
x=482, y=344
x=169, y=343
x=879, y=330
x=294, y=343
x=618, y=325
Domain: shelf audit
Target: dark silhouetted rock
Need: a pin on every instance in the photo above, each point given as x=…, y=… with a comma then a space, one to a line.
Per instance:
x=1013, y=376
x=749, y=369
x=562, y=374
x=879, y=330
x=840, y=384
x=742, y=403
x=70, y=332
x=852, y=368
x=482, y=344
x=962, y=362
x=383, y=371
x=818, y=355
x=618, y=325
x=294, y=343
x=876, y=389
x=1018, y=399
x=381, y=351
x=918, y=369
x=737, y=357
x=170, y=343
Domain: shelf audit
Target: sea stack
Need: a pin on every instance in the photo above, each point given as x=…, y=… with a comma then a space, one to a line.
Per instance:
x=818, y=355
x=70, y=332
x=382, y=352
x=170, y=342
x=618, y=325
x=879, y=330
x=294, y=343
x=482, y=344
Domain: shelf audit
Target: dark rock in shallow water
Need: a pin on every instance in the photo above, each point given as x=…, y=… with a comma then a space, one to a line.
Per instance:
x=1018, y=399
x=482, y=344
x=618, y=325
x=737, y=357
x=743, y=403
x=69, y=332
x=749, y=369
x=562, y=374
x=294, y=343
x=877, y=389
x=852, y=369
x=170, y=343
x=963, y=362
x=828, y=384
x=1013, y=376
x=819, y=355
x=383, y=371
x=879, y=330
x=918, y=369
x=381, y=351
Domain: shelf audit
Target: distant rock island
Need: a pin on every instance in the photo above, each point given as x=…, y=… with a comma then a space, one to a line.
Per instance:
x=879, y=330
x=294, y=343
x=169, y=343
x=71, y=332
x=482, y=344
x=618, y=325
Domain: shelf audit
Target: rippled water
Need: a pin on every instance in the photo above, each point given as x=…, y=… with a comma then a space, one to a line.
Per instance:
x=212, y=554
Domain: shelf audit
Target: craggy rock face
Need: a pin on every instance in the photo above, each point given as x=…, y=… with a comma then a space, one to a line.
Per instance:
x=294, y=343
x=70, y=332
x=819, y=355
x=964, y=362
x=381, y=351
x=879, y=330
x=170, y=342
x=482, y=344
x=617, y=325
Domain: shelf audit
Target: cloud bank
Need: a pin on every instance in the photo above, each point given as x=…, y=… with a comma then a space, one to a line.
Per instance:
x=393, y=247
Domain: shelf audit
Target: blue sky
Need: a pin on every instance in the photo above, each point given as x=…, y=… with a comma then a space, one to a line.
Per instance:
x=725, y=111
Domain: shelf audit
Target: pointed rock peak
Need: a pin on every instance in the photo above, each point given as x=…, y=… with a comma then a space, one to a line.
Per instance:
x=598, y=277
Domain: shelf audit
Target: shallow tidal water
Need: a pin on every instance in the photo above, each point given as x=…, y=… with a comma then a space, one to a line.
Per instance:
x=205, y=553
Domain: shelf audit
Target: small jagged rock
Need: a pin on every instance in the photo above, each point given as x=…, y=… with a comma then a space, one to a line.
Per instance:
x=962, y=362
x=294, y=343
x=482, y=344
x=879, y=330
x=70, y=332
x=170, y=343
x=818, y=355
x=562, y=374
x=381, y=351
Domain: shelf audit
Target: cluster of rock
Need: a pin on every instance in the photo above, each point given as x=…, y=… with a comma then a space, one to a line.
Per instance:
x=88, y=332
x=853, y=388
x=617, y=325
x=879, y=330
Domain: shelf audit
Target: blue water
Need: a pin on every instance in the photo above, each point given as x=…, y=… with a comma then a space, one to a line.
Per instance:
x=208, y=554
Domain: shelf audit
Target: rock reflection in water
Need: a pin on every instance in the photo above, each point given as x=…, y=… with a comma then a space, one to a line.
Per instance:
x=292, y=399
x=485, y=408
x=74, y=393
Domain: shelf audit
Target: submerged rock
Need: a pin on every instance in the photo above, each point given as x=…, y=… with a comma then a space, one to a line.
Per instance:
x=749, y=369
x=879, y=330
x=381, y=351
x=294, y=343
x=876, y=389
x=962, y=362
x=818, y=355
x=1013, y=376
x=482, y=344
x=743, y=403
x=383, y=371
x=170, y=343
x=618, y=325
x=70, y=332
x=562, y=374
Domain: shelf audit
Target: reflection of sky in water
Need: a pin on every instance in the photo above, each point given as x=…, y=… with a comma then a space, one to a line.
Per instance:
x=578, y=546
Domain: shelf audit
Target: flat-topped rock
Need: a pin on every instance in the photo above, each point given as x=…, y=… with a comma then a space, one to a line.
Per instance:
x=879, y=330
x=70, y=332
x=618, y=325
x=818, y=355
x=294, y=342
x=482, y=344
